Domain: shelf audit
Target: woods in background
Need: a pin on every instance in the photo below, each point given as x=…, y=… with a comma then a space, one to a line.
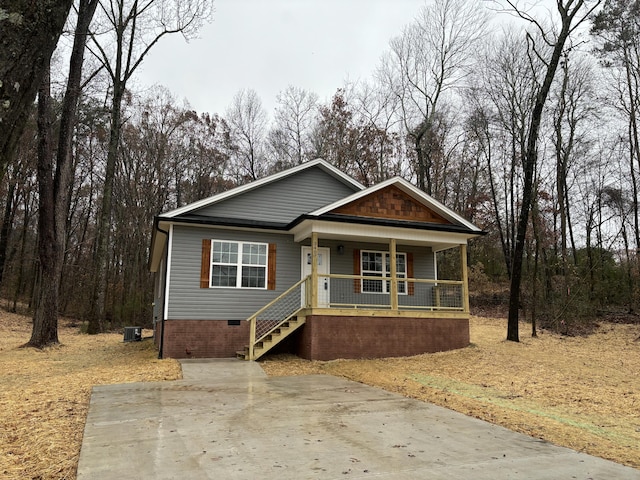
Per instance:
x=450, y=114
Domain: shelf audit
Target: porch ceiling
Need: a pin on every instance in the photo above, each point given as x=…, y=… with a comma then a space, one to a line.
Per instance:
x=437, y=240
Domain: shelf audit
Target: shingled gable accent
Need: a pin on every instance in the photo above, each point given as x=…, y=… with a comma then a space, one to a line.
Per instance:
x=391, y=203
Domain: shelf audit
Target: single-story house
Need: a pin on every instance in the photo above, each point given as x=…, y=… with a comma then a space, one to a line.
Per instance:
x=311, y=256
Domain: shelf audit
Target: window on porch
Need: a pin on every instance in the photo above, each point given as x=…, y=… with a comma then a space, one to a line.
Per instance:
x=373, y=266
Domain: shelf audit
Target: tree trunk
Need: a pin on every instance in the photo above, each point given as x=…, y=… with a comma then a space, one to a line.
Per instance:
x=29, y=33
x=23, y=246
x=97, y=308
x=5, y=229
x=45, y=319
x=54, y=189
x=421, y=167
x=530, y=160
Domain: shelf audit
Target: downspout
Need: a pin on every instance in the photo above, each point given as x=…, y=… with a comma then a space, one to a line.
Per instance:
x=164, y=295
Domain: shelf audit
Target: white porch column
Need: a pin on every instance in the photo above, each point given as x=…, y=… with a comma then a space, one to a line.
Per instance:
x=394, y=273
x=314, y=270
x=465, y=277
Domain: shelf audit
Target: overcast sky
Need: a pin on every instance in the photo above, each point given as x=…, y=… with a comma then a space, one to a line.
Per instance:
x=269, y=44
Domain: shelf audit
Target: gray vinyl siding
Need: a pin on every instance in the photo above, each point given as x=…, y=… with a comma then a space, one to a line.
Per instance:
x=187, y=301
x=283, y=200
x=423, y=267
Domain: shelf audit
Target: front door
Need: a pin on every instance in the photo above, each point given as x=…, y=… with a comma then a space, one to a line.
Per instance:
x=323, y=269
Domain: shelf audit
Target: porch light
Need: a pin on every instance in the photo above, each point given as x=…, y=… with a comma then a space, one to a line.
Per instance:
x=340, y=249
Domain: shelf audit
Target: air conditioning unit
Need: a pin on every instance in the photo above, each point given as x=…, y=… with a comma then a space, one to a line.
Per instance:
x=132, y=334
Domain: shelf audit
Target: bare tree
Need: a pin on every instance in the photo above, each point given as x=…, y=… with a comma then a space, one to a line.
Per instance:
x=128, y=31
x=617, y=29
x=29, y=33
x=572, y=13
x=501, y=94
x=378, y=110
x=294, y=116
x=573, y=115
x=429, y=59
x=247, y=120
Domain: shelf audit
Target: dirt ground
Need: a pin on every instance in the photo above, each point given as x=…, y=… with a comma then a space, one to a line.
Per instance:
x=581, y=392
x=578, y=392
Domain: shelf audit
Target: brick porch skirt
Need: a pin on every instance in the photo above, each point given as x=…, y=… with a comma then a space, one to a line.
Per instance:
x=330, y=337
x=322, y=337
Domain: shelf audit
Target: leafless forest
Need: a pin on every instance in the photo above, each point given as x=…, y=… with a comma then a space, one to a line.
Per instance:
x=452, y=107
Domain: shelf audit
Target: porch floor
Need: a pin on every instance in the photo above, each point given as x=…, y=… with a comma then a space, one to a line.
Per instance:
x=227, y=419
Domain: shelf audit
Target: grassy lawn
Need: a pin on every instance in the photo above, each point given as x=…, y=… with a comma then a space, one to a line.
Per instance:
x=583, y=393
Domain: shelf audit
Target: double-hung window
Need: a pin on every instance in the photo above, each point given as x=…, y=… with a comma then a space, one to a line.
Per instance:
x=377, y=264
x=238, y=264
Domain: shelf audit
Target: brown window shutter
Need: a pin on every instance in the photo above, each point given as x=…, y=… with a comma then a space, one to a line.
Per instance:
x=356, y=270
x=205, y=264
x=411, y=285
x=271, y=269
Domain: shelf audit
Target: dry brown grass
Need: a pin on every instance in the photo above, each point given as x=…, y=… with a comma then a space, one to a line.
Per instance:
x=579, y=392
x=583, y=393
x=44, y=395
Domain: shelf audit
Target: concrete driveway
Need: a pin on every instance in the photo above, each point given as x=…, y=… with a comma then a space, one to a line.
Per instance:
x=227, y=420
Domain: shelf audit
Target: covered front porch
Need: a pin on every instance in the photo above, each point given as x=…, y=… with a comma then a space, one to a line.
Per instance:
x=368, y=290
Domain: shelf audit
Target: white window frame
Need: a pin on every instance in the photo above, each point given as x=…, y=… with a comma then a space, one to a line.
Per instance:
x=239, y=265
x=386, y=275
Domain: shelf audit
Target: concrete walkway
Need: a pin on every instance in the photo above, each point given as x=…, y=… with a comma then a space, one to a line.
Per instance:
x=227, y=420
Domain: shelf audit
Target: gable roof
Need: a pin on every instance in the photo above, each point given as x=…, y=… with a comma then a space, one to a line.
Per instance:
x=432, y=211
x=330, y=169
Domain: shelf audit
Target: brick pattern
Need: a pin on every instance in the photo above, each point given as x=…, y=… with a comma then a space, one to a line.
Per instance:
x=322, y=337
x=391, y=203
x=330, y=337
x=203, y=338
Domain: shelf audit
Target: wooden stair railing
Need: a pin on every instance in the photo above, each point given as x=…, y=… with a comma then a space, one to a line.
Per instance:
x=276, y=320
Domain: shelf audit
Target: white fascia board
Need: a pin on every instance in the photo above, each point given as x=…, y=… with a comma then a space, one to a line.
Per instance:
x=271, y=178
x=408, y=188
x=378, y=233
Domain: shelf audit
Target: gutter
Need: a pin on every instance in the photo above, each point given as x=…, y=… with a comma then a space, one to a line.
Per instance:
x=164, y=295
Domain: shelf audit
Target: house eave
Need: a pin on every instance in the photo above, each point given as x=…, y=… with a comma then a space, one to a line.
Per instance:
x=394, y=223
x=360, y=229
x=243, y=223
x=158, y=242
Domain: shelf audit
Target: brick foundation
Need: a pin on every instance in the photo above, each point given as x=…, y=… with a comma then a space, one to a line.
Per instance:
x=330, y=337
x=321, y=337
x=202, y=338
